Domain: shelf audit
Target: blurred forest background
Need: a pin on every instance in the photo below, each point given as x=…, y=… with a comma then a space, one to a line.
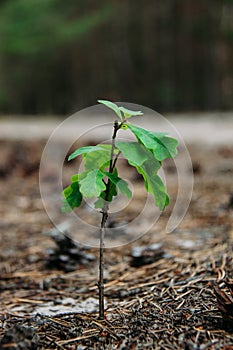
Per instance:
x=57, y=57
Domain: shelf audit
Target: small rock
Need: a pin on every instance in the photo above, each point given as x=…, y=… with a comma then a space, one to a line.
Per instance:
x=146, y=254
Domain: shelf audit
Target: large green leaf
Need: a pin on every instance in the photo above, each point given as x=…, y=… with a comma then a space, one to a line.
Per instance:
x=147, y=165
x=120, y=183
x=143, y=135
x=134, y=152
x=153, y=183
x=72, y=197
x=162, y=146
x=97, y=159
x=112, y=106
x=92, y=185
x=88, y=149
x=166, y=147
x=128, y=113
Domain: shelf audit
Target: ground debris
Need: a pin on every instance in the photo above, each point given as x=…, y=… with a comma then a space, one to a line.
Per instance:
x=167, y=301
x=20, y=337
x=225, y=300
x=68, y=254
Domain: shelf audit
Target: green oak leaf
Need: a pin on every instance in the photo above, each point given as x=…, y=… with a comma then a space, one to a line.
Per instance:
x=166, y=147
x=78, y=177
x=153, y=183
x=134, y=152
x=120, y=183
x=98, y=159
x=92, y=185
x=72, y=197
x=112, y=192
x=162, y=146
x=100, y=202
x=112, y=106
x=128, y=113
x=87, y=149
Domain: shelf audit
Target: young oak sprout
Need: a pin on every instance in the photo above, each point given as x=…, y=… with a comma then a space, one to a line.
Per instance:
x=100, y=178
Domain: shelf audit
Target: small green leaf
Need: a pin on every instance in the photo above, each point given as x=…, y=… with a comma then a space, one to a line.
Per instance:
x=162, y=146
x=102, y=198
x=120, y=183
x=92, y=185
x=87, y=149
x=72, y=197
x=128, y=113
x=112, y=106
x=99, y=203
x=134, y=152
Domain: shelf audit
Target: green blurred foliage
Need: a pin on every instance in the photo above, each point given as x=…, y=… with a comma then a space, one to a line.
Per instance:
x=59, y=56
x=31, y=27
x=36, y=37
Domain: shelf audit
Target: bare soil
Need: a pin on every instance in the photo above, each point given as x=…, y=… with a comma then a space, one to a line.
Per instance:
x=164, y=291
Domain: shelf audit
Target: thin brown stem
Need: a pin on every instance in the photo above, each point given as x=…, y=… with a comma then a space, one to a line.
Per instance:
x=101, y=265
x=103, y=224
x=116, y=128
x=115, y=160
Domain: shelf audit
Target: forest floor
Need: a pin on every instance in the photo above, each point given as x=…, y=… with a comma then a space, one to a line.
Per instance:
x=163, y=291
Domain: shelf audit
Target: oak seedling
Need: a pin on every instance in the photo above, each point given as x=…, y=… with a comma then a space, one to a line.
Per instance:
x=100, y=178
